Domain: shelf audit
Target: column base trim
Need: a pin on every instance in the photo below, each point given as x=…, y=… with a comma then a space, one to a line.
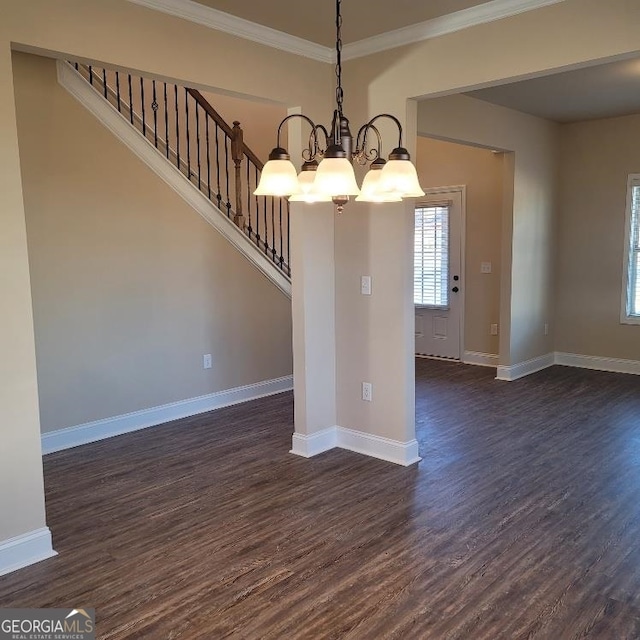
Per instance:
x=402, y=453
x=521, y=369
x=25, y=549
x=308, y=446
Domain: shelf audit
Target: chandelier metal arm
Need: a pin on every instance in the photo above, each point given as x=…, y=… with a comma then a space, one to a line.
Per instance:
x=290, y=117
x=312, y=151
x=325, y=133
x=369, y=124
x=360, y=153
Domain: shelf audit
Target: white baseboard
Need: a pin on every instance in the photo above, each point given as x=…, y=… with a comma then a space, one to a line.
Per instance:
x=402, y=453
x=480, y=359
x=25, y=549
x=596, y=363
x=521, y=369
x=312, y=445
x=617, y=365
x=101, y=429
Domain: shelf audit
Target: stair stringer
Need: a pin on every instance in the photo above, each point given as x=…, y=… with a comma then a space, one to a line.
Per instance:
x=89, y=98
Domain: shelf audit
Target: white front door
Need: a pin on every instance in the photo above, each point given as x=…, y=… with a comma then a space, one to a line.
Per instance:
x=438, y=286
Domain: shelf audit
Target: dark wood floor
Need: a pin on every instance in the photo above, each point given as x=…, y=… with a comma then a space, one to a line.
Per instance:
x=521, y=521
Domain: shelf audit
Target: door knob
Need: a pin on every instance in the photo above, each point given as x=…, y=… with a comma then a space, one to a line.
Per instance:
x=455, y=289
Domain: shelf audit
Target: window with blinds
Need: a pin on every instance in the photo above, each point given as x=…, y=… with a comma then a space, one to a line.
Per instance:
x=632, y=306
x=431, y=256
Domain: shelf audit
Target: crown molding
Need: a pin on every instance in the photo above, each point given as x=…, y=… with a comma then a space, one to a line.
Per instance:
x=480, y=14
x=221, y=21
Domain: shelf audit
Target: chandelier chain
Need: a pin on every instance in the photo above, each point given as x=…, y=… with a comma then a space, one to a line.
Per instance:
x=339, y=91
x=327, y=172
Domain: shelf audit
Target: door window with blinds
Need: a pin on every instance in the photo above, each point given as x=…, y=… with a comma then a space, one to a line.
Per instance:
x=431, y=256
x=631, y=287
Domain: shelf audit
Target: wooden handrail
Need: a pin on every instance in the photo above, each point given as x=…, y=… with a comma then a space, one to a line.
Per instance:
x=202, y=101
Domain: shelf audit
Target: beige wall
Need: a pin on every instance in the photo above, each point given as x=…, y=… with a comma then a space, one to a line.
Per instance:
x=442, y=164
x=130, y=286
x=528, y=296
x=126, y=35
x=596, y=158
x=21, y=482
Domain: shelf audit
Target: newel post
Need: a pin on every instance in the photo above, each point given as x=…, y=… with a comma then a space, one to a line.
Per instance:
x=237, y=151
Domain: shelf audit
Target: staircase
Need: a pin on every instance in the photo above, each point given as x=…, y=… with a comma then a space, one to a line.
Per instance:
x=181, y=137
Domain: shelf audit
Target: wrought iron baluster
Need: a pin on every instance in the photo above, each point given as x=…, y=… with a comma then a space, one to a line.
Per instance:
x=144, y=122
x=219, y=195
x=288, y=241
x=175, y=86
x=265, y=204
x=154, y=106
x=206, y=122
x=118, y=91
x=186, y=102
x=248, y=227
x=104, y=83
x=77, y=66
x=226, y=172
x=280, y=226
x=273, y=229
x=257, y=177
x=266, y=225
x=91, y=75
x=198, y=143
x=130, y=98
x=166, y=122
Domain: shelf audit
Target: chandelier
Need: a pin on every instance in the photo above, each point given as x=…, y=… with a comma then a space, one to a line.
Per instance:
x=327, y=173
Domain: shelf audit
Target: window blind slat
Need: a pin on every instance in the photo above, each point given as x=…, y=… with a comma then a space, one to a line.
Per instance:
x=431, y=256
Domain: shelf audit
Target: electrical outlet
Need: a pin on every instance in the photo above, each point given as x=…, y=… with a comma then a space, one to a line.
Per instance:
x=206, y=361
x=367, y=391
x=365, y=285
x=486, y=267
x=494, y=329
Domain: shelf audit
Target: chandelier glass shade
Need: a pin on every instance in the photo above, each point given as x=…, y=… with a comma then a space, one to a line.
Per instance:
x=328, y=170
x=278, y=178
x=308, y=191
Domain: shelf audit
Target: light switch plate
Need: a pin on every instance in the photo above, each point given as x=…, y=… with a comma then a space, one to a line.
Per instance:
x=365, y=285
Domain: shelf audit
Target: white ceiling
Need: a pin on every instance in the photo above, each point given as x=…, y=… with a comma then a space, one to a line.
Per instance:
x=314, y=20
x=602, y=91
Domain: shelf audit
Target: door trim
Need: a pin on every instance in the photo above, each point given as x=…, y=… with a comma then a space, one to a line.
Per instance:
x=462, y=190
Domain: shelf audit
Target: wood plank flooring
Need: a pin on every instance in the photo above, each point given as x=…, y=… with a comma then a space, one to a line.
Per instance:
x=521, y=521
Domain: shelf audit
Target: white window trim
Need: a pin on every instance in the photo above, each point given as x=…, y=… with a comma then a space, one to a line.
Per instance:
x=632, y=181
